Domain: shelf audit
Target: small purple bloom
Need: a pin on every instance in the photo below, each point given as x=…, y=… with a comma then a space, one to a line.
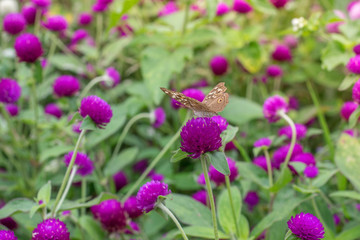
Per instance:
x=274, y=71
x=53, y=109
x=14, y=23
x=51, y=228
x=251, y=199
x=120, y=180
x=311, y=171
x=356, y=91
x=41, y=3
x=222, y=8
x=140, y=166
x=272, y=106
x=279, y=3
x=190, y=92
x=356, y=49
x=100, y=7
x=85, y=19
x=219, y=65
x=159, y=117
x=282, y=53
x=97, y=109
x=28, y=47
x=29, y=13
x=334, y=27
x=111, y=215
x=293, y=103
x=168, y=9
x=337, y=219
x=306, y=227
x=218, y=178
x=66, y=85
x=347, y=109
x=241, y=6
x=263, y=142
x=201, y=196
x=79, y=35
x=7, y=235
x=201, y=180
x=230, y=146
x=134, y=228
x=12, y=109
x=76, y=127
x=82, y=161
x=300, y=129
x=157, y=177
x=221, y=121
x=260, y=161
x=114, y=75
x=351, y=132
x=201, y=83
x=357, y=206
x=290, y=41
x=131, y=207
x=280, y=154
x=199, y=136
x=306, y=158
x=353, y=10
x=354, y=64
x=56, y=23
x=149, y=193
x=10, y=90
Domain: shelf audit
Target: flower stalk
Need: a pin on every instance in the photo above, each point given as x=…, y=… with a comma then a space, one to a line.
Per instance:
x=227, y=181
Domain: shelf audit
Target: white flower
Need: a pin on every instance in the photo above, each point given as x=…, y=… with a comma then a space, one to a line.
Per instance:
x=298, y=23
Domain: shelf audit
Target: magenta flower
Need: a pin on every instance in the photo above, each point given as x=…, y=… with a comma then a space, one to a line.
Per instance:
x=29, y=13
x=354, y=64
x=7, y=235
x=10, y=90
x=56, y=23
x=168, y=9
x=351, y=132
x=120, y=180
x=134, y=228
x=219, y=65
x=85, y=19
x=311, y=171
x=28, y=47
x=218, y=178
x=356, y=92
x=353, y=10
x=272, y=106
x=100, y=7
x=334, y=27
x=51, y=228
x=337, y=219
x=53, y=109
x=306, y=158
x=111, y=215
x=242, y=6
x=306, y=227
x=148, y=194
x=251, y=199
x=66, y=85
x=282, y=53
x=14, y=23
x=356, y=49
x=199, y=136
x=201, y=83
x=12, y=109
x=41, y=3
x=131, y=207
x=260, y=161
x=156, y=176
x=280, y=154
x=201, y=196
x=190, y=92
x=159, y=117
x=201, y=180
x=97, y=109
x=347, y=109
x=290, y=41
x=263, y=142
x=82, y=161
x=300, y=129
x=76, y=127
x=221, y=121
x=279, y=3
x=114, y=75
x=222, y=8
x=293, y=103
x=79, y=35
x=274, y=71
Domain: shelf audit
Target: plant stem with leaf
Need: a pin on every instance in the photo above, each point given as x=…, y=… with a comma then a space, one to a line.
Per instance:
x=67, y=188
x=242, y=151
x=92, y=83
x=269, y=167
x=293, y=138
x=227, y=181
x=171, y=215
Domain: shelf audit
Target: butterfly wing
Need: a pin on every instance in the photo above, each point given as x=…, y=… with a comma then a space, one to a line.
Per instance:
x=217, y=98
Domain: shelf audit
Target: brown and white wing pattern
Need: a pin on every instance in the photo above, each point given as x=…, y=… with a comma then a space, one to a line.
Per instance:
x=217, y=98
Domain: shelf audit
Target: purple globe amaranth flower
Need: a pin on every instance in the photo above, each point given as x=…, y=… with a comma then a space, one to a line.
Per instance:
x=114, y=76
x=168, y=9
x=279, y=3
x=221, y=121
x=201, y=83
x=351, y=132
x=158, y=117
x=111, y=215
x=190, y=92
x=356, y=49
x=293, y=103
x=53, y=109
x=272, y=106
x=120, y=180
x=7, y=235
x=251, y=199
x=311, y=171
x=282, y=53
x=201, y=180
x=274, y=71
x=354, y=10
x=14, y=23
x=149, y=193
x=334, y=27
x=201, y=196
x=347, y=109
x=219, y=65
x=218, y=178
x=10, y=90
x=12, y=109
x=263, y=142
x=51, y=228
x=100, y=7
x=97, y=109
x=353, y=64
x=199, y=136
x=140, y=166
x=29, y=13
x=56, y=23
x=76, y=127
x=306, y=227
x=242, y=6
x=28, y=47
x=356, y=92
x=357, y=206
x=337, y=219
x=306, y=158
x=79, y=35
x=300, y=129
x=280, y=154
x=85, y=19
x=222, y=9
x=66, y=85
x=131, y=207
x=41, y=3
x=82, y=161
x=260, y=161
x=230, y=146
x=291, y=41
x=134, y=228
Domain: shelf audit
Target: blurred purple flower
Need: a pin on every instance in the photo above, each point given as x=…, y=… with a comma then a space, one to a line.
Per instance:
x=131, y=207
x=10, y=90
x=14, y=23
x=111, y=215
x=28, y=47
x=300, y=129
x=12, y=109
x=85, y=19
x=120, y=180
x=347, y=109
x=66, y=85
x=201, y=196
x=274, y=71
x=282, y=53
x=272, y=106
x=148, y=194
x=29, y=13
x=168, y=9
x=218, y=178
x=51, y=228
x=222, y=8
x=97, y=109
x=242, y=6
x=219, y=65
x=311, y=171
x=353, y=64
x=82, y=161
x=251, y=199
x=263, y=142
x=53, y=109
x=56, y=23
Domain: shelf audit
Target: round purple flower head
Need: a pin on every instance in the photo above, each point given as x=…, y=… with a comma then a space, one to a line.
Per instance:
x=347, y=109
x=306, y=158
x=149, y=193
x=29, y=13
x=356, y=91
x=10, y=91
x=41, y=3
x=251, y=199
x=53, y=109
x=354, y=64
x=168, y=9
x=221, y=121
x=280, y=154
x=7, y=235
x=100, y=7
x=260, y=161
x=120, y=180
x=28, y=47
x=51, y=228
x=353, y=10
x=356, y=49
x=159, y=117
x=201, y=180
x=241, y=6
x=199, y=136
x=14, y=23
x=334, y=27
x=351, y=132
x=279, y=3
x=82, y=161
x=290, y=41
x=274, y=71
x=111, y=215
x=219, y=65
x=12, y=109
x=301, y=131
x=263, y=142
x=97, y=109
x=293, y=103
x=337, y=219
x=201, y=196
x=85, y=19
x=311, y=171
x=131, y=207
x=222, y=8
x=282, y=53
x=66, y=85
x=56, y=23
x=114, y=75
x=140, y=166
x=219, y=178
x=79, y=35
x=306, y=227
x=190, y=92
x=272, y=106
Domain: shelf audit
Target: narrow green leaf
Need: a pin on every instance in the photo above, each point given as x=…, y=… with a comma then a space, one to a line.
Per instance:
x=350, y=233
x=323, y=177
x=16, y=205
x=346, y=194
x=218, y=160
x=244, y=227
x=284, y=178
x=88, y=124
x=348, y=81
x=178, y=156
x=354, y=118
x=211, y=8
x=44, y=193
x=124, y=158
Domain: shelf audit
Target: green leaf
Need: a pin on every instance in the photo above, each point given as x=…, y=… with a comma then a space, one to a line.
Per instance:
x=88, y=124
x=305, y=189
x=333, y=55
x=67, y=63
x=350, y=233
x=347, y=159
x=218, y=160
x=76, y=116
x=224, y=210
x=354, y=118
x=189, y=211
x=38, y=72
x=348, y=81
x=323, y=177
x=44, y=193
x=284, y=178
x=229, y=134
x=53, y=152
x=16, y=205
x=71, y=205
x=126, y=157
x=203, y=232
x=211, y=8
x=251, y=57
x=178, y=156
x=346, y=194
x=263, y=6
x=92, y=227
x=244, y=227
x=112, y=50
x=119, y=11
x=253, y=173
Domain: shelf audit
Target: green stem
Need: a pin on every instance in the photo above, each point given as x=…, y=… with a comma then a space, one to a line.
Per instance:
x=36, y=117
x=126, y=130
x=249, y=88
x=171, y=215
x=13, y=134
x=203, y=159
x=293, y=137
x=227, y=181
x=269, y=168
x=37, y=21
x=92, y=83
x=67, y=188
x=288, y=235
x=83, y=194
x=67, y=174
x=242, y=151
x=322, y=119
x=99, y=24
x=185, y=18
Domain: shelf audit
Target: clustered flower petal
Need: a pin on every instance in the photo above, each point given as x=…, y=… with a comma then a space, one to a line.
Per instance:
x=280, y=154
x=66, y=85
x=79, y=35
x=29, y=13
x=159, y=117
x=131, y=207
x=114, y=75
x=306, y=227
x=51, y=228
x=10, y=90
x=263, y=142
x=311, y=171
x=14, y=23
x=300, y=129
x=7, y=235
x=41, y=3
x=218, y=178
x=28, y=47
x=354, y=64
x=201, y=179
x=149, y=193
x=53, y=109
x=219, y=65
x=200, y=135
x=306, y=158
x=282, y=53
x=221, y=121
x=279, y=3
x=56, y=23
x=272, y=106
x=97, y=109
x=120, y=180
x=190, y=92
x=260, y=161
x=356, y=49
x=222, y=8
x=251, y=199
x=85, y=19
x=82, y=161
x=274, y=71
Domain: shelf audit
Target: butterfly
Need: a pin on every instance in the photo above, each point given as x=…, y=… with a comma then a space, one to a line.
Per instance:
x=213, y=103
